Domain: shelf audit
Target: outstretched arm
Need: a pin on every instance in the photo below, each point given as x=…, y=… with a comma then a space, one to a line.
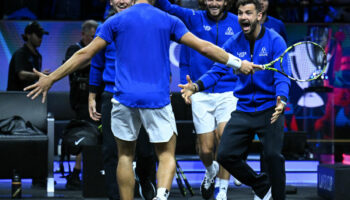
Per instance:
x=79, y=59
x=217, y=54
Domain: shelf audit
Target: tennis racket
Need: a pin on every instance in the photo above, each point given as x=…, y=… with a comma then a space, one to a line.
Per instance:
x=309, y=61
x=179, y=183
x=188, y=186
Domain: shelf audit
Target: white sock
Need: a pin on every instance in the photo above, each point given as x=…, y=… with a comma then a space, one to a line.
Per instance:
x=224, y=185
x=217, y=182
x=211, y=169
x=162, y=193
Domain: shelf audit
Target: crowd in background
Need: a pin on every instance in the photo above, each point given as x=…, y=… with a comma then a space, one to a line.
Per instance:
x=312, y=11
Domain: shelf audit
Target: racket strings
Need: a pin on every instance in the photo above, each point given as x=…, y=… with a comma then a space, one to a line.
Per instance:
x=307, y=61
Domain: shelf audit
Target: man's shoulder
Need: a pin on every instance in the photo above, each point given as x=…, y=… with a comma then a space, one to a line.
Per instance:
x=231, y=15
x=275, y=20
x=23, y=51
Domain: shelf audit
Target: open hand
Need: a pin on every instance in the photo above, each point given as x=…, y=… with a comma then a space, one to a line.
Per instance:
x=41, y=86
x=187, y=90
x=278, y=110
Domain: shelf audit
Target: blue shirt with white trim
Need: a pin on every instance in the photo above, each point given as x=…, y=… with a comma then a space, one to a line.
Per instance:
x=142, y=34
x=203, y=26
x=258, y=91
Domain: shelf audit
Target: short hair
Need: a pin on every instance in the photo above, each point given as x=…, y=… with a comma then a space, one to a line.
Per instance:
x=245, y=2
x=88, y=25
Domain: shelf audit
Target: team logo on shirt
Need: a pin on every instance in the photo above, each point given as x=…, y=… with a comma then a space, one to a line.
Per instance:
x=206, y=27
x=263, y=52
x=241, y=54
x=229, y=31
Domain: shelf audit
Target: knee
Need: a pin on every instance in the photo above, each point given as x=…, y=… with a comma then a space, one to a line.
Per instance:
x=206, y=149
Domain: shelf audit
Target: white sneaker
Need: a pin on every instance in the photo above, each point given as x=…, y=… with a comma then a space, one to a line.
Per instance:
x=207, y=186
x=221, y=195
x=266, y=197
x=256, y=197
x=237, y=182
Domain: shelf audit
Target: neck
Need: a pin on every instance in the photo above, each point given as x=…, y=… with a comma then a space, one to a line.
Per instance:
x=31, y=47
x=217, y=18
x=255, y=34
x=142, y=1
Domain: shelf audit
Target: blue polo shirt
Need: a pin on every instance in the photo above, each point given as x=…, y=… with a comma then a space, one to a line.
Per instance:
x=143, y=35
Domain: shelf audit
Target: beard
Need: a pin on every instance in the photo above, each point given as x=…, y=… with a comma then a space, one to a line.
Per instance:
x=253, y=26
x=221, y=10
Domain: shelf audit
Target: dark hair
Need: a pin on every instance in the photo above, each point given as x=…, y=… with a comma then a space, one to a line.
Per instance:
x=245, y=2
x=89, y=24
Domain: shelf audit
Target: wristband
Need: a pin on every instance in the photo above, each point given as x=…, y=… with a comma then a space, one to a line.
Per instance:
x=233, y=62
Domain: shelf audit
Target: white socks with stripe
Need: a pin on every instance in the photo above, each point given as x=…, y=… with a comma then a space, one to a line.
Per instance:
x=162, y=193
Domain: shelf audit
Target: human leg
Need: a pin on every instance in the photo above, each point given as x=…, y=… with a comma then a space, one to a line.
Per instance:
x=145, y=166
x=234, y=143
x=161, y=128
x=223, y=176
x=225, y=104
x=125, y=174
x=203, y=108
x=125, y=124
x=109, y=148
x=271, y=137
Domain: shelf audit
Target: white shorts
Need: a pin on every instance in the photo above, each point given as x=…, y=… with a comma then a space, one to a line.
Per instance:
x=158, y=122
x=211, y=109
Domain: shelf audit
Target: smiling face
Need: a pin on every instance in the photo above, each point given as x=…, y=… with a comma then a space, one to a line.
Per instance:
x=120, y=5
x=248, y=18
x=215, y=8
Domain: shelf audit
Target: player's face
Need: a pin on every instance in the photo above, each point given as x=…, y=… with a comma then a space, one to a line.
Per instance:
x=215, y=7
x=120, y=5
x=264, y=5
x=248, y=18
x=88, y=36
x=34, y=39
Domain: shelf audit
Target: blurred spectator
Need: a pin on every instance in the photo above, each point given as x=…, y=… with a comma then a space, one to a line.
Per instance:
x=27, y=58
x=79, y=93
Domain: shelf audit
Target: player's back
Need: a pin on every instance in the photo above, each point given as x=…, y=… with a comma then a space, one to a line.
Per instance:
x=142, y=34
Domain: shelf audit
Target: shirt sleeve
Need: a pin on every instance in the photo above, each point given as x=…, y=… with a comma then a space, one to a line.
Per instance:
x=106, y=32
x=211, y=77
x=178, y=28
x=184, y=14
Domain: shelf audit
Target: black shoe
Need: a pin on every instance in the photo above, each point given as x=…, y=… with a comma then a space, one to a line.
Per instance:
x=73, y=182
x=146, y=189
